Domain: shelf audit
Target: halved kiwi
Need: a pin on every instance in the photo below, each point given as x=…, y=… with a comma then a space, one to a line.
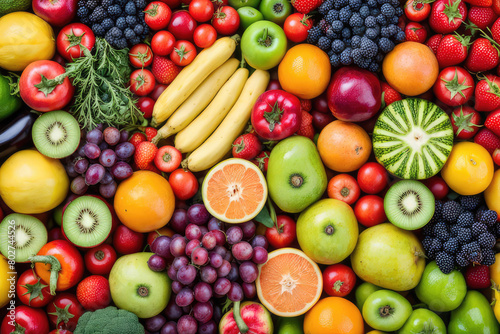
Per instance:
x=21, y=236
x=87, y=221
x=56, y=134
x=409, y=204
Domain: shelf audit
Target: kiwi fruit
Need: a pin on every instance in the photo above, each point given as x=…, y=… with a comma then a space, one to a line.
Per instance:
x=87, y=221
x=409, y=204
x=21, y=235
x=56, y=134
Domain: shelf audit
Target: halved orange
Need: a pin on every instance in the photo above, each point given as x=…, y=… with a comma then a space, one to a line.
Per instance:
x=289, y=283
x=234, y=191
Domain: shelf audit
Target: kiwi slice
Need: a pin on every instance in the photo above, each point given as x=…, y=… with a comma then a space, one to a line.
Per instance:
x=21, y=236
x=56, y=134
x=87, y=221
x=409, y=204
x=413, y=138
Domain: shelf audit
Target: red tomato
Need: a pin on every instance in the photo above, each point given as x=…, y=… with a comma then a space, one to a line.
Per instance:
x=369, y=210
x=417, y=11
x=99, y=260
x=415, y=32
x=44, y=98
x=204, y=36
x=465, y=122
x=146, y=105
x=157, y=15
x=71, y=38
x=372, y=178
x=437, y=186
x=31, y=290
x=454, y=86
x=183, y=183
x=126, y=241
x=283, y=234
x=142, y=82
x=183, y=54
x=296, y=27
x=343, y=187
x=60, y=316
x=201, y=10
x=182, y=25
x=140, y=55
x=159, y=88
x=29, y=321
x=162, y=43
x=338, y=280
x=226, y=20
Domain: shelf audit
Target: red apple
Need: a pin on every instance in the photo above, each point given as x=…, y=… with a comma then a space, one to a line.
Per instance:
x=354, y=94
x=56, y=12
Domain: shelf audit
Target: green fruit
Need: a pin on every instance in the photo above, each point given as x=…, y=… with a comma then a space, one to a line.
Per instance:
x=293, y=325
x=255, y=316
x=363, y=291
x=423, y=321
x=57, y=215
x=389, y=257
x=413, y=138
x=136, y=288
x=237, y=4
x=9, y=6
x=249, y=15
x=327, y=231
x=9, y=104
x=386, y=310
x=441, y=292
x=296, y=177
x=474, y=315
x=275, y=10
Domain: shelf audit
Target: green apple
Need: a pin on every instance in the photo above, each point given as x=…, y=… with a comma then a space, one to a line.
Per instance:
x=423, y=321
x=236, y=4
x=363, y=291
x=292, y=325
x=386, y=310
x=248, y=15
x=263, y=45
x=474, y=315
x=276, y=10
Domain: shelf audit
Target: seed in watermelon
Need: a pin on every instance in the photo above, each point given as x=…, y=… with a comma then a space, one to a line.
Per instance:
x=413, y=138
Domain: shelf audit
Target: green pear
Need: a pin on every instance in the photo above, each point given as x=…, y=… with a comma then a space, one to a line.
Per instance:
x=423, y=321
x=474, y=315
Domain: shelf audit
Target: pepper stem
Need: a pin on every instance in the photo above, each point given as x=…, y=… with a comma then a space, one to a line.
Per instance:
x=55, y=268
x=242, y=326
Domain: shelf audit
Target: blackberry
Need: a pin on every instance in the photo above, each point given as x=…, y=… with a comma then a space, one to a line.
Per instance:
x=355, y=4
x=451, y=246
x=340, y=4
x=445, y=262
x=441, y=231
x=332, y=16
x=140, y=3
x=399, y=12
x=372, y=3
x=427, y=242
x=436, y=246
x=338, y=46
x=345, y=14
x=357, y=57
x=373, y=66
x=385, y=45
x=82, y=12
x=371, y=33
x=324, y=43
x=486, y=240
x=394, y=3
x=382, y=20
x=466, y=219
x=330, y=53
x=332, y=35
x=471, y=250
x=379, y=57
x=121, y=43
x=312, y=36
x=480, y=211
x=129, y=33
x=488, y=217
x=325, y=7
x=107, y=23
x=92, y=4
x=371, y=22
x=139, y=30
x=131, y=21
x=488, y=257
x=356, y=20
x=114, y=11
x=115, y=32
x=358, y=30
x=346, y=33
x=461, y=260
x=470, y=202
x=122, y=2
x=356, y=41
x=384, y=32
x=135, y=40
x=438, y=209
x=375, y=12
x=323, y=24
x=400, y=36
x=335, y=60
x=451, y=211
x=364, y=11
x=368, y=47
x=337, y=25
x=121, y=23
x=387, y=10
x=381, y=2
x=345, y=57
x=392, y=30
x=98, y=29
x=106, y=3
x=464, y=235
x=347, y=42
x=85, y=20
x=130, y=8
x=478, y=228
x=97, y=15
x=428, y=229
x=455, y=230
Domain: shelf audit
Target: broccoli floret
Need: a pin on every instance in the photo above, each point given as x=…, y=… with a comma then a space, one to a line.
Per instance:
x=109, y=320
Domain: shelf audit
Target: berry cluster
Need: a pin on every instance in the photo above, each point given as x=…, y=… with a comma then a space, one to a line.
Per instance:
x=458, y=236
x=357, y=32
x=120, y=22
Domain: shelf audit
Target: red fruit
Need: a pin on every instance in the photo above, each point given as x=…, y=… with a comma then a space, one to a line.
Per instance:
x=182, y=25
x=434, y=41
x=487, y=139
x=164, y=70
x=99, y=260
x=157, y=15
x=487, y=93
x=483, y=56
x=482, y=17
x=226, y=20
x=437, y=186
x=126, y=241
x=152, y=168
x=64, y=311
x=493, y=122
x=305, y=6
x=246, y=146
x=496, y=156
x=144, y=154
x=477, y=276
x=262, y=160
x=162, y=43
x=416, y=10
x=480, y=3
x=93, y=292
x=305, y=105
x=306, y=128
x=60, y=331
x=137, y=138
x=465, y=122
x=32, y=291
x=454, y=86
x=283, y=234
x=415, y=32
x=26, y=320
x=447, y=15
x=320, y=120
x=150, y=133
x=168, y=159
x=146, y=105
x=452, y=50
x=338, y=280
x=389, y=95
x=495, y=30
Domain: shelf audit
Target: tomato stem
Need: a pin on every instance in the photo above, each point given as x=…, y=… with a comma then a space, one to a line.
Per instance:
x=55, y=268
x=242, y=326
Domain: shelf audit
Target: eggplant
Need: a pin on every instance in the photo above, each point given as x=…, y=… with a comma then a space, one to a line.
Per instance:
x=16, y=134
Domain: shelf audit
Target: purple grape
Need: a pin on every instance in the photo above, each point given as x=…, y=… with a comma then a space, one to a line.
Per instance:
x=249, y=290
x=242, y=251
x=209, y=241
x=179, y=221
x=187, y=309
x=177, y=286
x=172, y=273
x=260, y=240
x=185, y=297
x=155, y=323
x=234, y=234
x=208, y=327
x=169, y=328
x=222, y=286
x=157, y=263
x=111, y=135
x=199, y=256
x=176, y=235
x=161, y=246
x=191, y=245
x=193, y=232
x=94, y=174
x=121, y=170
x=107, y=158
x=124, y=150
x=107, y=178
x=215, y=259
x=222, y=251
x=208, y=274
x=123, y=136
x=70, y=170
x=228, y=256
x=103, y=146
x=203, y=311
x=249, y=228
x=215, y=224
x=220, y=237
x=187, y=325
x=78, y=185
x=217, y=313
x=233, y=273
x=198, y=214
x=204, y=230
x=178, y=246
x=259, y=255
x=81, y=151
x=100, y=127
x=92, y=151
x=81, y=165
x=179, y=262
x=94, y=136
x=186, y=275
x=224, y=269
x=248, y=272
x=108, y=190
x=235, y=293
x=172, y=311
x=202, y=292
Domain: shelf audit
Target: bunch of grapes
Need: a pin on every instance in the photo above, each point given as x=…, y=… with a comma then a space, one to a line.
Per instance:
x=102, y=160
x=207, y=264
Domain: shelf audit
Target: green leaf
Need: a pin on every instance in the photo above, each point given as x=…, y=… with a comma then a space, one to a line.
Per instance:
x=264, y=217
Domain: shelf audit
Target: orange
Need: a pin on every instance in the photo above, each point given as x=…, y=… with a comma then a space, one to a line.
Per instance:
x=144, y=202
x=334, y=315
x=492, y=194
x=289, y=283
x=234, y=191
x=411, y=68
x=305, y=71
x=344, y=146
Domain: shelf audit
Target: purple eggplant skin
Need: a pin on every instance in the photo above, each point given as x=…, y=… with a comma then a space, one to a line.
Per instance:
x=16, y=134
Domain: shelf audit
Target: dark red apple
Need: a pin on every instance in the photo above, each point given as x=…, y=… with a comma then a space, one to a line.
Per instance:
x=354, y=94
x=56, y=12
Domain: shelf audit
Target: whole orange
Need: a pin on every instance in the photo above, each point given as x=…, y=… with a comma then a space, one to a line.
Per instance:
x=344, y=146
x=144, y=202
x=305, y=71
x=411, y=68
x=333, y=315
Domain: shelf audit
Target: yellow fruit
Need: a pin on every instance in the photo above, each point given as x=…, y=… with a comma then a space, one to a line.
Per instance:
x=6, y=290
x=32, y=183
x=495, y=270
x=492, y=194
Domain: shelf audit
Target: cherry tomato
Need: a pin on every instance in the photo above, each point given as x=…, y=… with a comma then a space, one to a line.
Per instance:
x=183, y=54
x=283, y=234
x=70, y=39
x=157, y=90
x=338, y=280
x=437, y=186
x=226, y=20
x=454, y=86
x=157, y=15
x=142, y=82
x=465, y=122
x=182, y=25
x=162, y=43
x=416, y=10
x=296, y=27
x=32, y=291
x=60, y=314
x=99, y=260
x=140, y=55
x=146, y=105
x=204, y=36
x=343, y=187
x=201, y=10
x=28, y=320
x=183, y=183
x=369, y=210
x=372, y=178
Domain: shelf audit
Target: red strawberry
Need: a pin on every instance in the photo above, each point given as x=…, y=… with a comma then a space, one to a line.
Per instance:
x=452, y=50
x=305, y=105
x=145, y=154
x=262, y=160
x=433, y=42
x=465, y=122
x=480, y=3
x=246, y=146
x=487, y=93
x=164, y=70
x=415, y=32
x=93, y=292
x=496, y=6
x=447, y=15
x=137, y=138
x=150, y=133
x=477, y=276
x=306, y=128
x=496, y=156
x=493, y=122
x=389, y=95
x=495, y=30
x=481, y=17
x=487, y=139
x=483, y=56
x=306, y=6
